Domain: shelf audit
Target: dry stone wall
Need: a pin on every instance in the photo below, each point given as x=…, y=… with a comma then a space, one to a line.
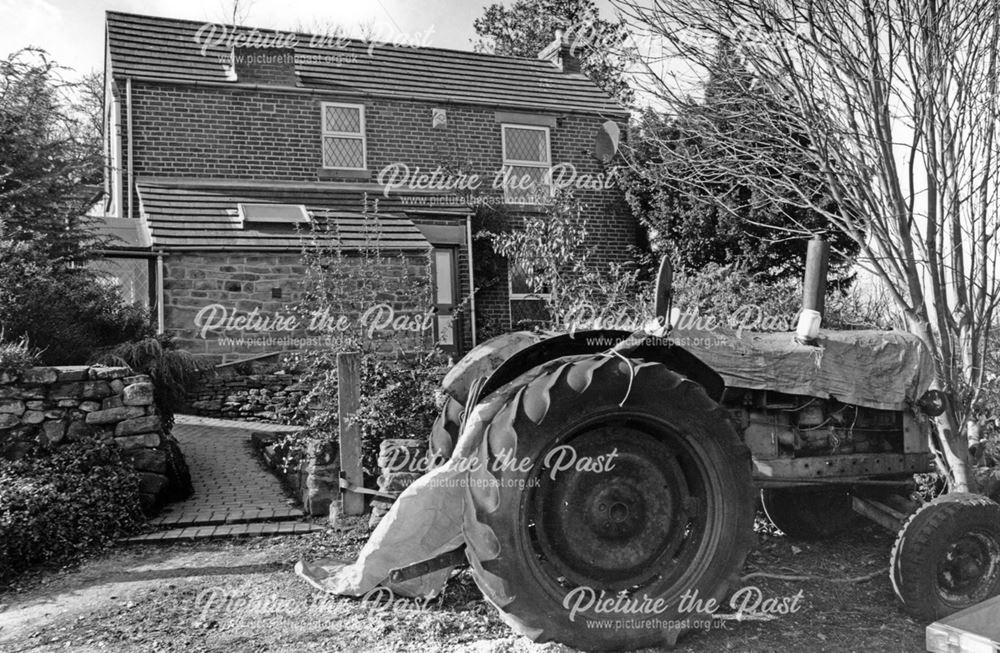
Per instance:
x=313, y=475
x=263, y=393
x=51, y=405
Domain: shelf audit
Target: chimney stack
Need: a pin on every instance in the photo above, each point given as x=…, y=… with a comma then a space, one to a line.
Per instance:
x=561, y=53
x=270, y=65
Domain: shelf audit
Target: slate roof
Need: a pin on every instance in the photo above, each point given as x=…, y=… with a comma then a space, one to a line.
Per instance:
x=184, y=214
x=166, y=49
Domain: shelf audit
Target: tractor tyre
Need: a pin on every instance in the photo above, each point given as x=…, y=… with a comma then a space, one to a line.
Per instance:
x=947, y=556
x=638, y=494
x=444, y=433
x=809, y=513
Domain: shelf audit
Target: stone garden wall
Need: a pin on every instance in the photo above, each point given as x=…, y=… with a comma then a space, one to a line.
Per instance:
x=312, y=476
x=253, y=390
x=52, y=405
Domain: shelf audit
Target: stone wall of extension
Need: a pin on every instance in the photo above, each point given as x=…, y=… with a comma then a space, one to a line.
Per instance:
x=205, y=290
x=53, y=405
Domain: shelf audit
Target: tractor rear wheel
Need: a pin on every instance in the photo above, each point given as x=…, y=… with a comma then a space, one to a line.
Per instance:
x=947, y=556
x=637, y=493
x=809, y=513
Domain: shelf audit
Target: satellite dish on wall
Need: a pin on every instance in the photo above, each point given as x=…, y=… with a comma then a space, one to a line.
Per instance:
x=606, y=141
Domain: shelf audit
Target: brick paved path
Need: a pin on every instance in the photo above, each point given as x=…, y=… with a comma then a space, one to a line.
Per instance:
x=234, y=493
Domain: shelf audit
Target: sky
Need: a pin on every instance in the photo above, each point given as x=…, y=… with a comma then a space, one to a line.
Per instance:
x=72, y=31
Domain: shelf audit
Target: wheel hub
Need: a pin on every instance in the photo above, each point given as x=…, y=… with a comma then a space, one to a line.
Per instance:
x=616, y=511
x=967, y=566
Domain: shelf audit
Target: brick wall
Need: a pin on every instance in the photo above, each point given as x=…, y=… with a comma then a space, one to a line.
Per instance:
x=265, y=65
x=258, y=134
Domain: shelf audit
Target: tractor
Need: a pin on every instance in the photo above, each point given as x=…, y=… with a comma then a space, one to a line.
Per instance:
x=666, y=444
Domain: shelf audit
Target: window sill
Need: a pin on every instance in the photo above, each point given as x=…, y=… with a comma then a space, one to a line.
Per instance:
x=340, y=173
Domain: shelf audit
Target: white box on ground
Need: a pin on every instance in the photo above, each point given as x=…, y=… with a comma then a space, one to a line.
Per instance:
x=973, y=630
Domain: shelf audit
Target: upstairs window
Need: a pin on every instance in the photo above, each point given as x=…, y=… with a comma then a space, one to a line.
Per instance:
x=526, y=161
x=344, y=145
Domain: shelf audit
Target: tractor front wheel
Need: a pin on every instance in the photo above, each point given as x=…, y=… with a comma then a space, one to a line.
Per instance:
x=947, y=556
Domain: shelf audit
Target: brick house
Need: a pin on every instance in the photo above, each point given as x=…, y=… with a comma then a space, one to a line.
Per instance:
x=223, y=145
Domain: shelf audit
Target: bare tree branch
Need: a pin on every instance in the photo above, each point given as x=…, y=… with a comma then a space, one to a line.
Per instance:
x=895, y=109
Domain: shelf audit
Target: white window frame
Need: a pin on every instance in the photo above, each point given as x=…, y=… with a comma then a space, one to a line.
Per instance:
x=324, y=133
x=303, y=217
x=526, y=164
x=541, y=296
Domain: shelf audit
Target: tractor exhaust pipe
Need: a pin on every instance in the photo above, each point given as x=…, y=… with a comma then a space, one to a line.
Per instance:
x=813, y=291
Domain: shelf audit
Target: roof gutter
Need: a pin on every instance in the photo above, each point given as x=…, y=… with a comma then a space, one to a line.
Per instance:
x=126, y=252
x=180, y=249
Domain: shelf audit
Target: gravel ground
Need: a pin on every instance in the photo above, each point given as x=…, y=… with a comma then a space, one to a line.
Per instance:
x=243, y=596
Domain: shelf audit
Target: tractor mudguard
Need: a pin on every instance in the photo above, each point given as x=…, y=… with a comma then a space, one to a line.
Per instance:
x=506, y=357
